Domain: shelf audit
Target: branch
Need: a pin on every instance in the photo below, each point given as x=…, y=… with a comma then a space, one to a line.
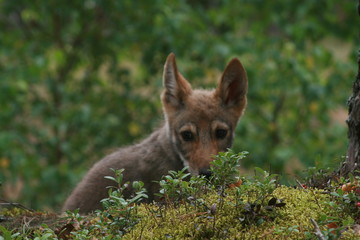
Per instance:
x=299, y=183
x=318, y=232
x=16, y=205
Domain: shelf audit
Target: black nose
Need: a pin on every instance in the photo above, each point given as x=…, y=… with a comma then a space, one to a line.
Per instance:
x=205, y=172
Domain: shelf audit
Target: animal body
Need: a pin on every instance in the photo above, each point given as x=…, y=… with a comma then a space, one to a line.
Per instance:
x=198, y=124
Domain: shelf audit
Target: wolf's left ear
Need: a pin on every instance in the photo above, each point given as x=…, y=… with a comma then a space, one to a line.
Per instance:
x=233, y=85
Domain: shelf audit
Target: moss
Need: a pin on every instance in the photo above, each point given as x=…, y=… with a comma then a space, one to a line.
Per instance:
x=214, y=219
x=188, y=222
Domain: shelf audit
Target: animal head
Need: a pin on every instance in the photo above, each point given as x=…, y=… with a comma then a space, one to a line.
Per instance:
x=201, y=123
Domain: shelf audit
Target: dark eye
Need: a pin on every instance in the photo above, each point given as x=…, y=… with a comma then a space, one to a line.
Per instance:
x=187, y=136
x=220, y=133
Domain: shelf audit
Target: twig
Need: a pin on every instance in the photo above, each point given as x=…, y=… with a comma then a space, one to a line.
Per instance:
x=315, y=197
x=318, y=232
x=299, y=183
x=17, y=205
x=306, y=190
x=152, y=214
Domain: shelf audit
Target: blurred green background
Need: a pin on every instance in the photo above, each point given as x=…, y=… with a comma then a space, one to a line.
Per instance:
x=80, y=78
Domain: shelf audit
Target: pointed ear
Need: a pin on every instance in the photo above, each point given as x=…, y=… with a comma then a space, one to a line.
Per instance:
x=176, y=87
x=233, y=85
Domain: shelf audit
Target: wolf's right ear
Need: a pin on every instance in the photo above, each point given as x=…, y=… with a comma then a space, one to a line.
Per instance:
x=176, y=87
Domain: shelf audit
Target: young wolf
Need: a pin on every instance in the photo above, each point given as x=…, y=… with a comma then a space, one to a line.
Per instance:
x=198, y=124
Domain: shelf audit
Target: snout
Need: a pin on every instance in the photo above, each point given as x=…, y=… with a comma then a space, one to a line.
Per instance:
x=205, y=172
x=200, y=160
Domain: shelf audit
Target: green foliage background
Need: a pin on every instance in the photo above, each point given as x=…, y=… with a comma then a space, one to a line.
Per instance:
x=81, y=78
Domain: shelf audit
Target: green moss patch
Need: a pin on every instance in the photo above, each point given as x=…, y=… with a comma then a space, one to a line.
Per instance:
x=289, y=222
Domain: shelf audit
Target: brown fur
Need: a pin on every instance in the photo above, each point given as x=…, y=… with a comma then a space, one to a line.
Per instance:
x=198, y=125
